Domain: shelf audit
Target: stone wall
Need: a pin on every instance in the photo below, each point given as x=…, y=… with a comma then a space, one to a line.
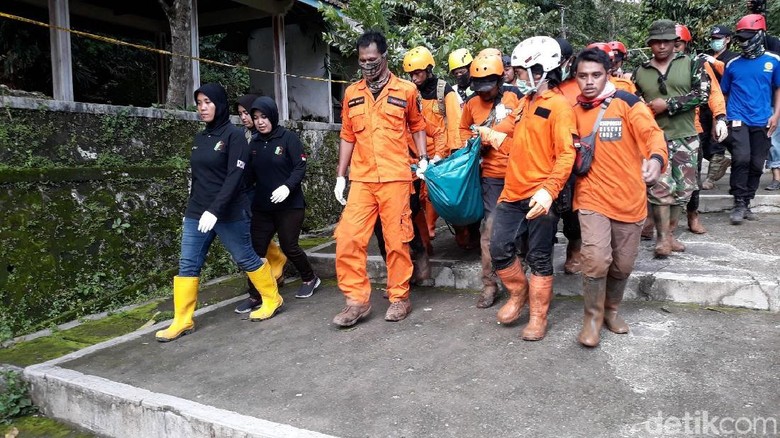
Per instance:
x=91, y=202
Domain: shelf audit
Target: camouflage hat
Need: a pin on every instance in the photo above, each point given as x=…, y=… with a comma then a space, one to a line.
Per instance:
x=662, y=30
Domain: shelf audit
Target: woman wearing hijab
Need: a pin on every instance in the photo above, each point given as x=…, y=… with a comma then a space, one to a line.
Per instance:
x=217, y=207
x=278, y=165
x=273, y=254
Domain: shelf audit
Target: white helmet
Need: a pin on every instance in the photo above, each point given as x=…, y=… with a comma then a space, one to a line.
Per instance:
x=541, y=50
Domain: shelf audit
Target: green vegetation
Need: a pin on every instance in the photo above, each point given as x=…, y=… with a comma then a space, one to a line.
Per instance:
x=14, y=398
x=40, y=427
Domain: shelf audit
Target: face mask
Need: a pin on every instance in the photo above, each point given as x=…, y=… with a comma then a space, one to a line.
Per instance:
x=463, y=81
x=717, y=45
x=372, y=69
x=565, y=72
x=525, y=88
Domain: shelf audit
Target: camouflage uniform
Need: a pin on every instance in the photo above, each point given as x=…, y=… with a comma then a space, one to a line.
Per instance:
x=680, y=179
x=685, y=86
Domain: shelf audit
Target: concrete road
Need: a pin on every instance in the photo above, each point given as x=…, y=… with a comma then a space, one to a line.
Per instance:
x=450, y=371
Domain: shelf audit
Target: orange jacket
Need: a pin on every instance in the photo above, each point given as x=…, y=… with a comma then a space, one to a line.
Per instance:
x=475, y=112
x=628, y=133
x=624, y=84
x=570, y=90
x=717, y=102
x=380, y=129
x=446, y=136
x=542, y=151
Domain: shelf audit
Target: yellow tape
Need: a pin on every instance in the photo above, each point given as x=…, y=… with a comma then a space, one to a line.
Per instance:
x=154, y=50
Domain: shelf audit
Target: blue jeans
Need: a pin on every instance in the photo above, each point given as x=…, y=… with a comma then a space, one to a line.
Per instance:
x=532, y=239
x=234, y=237
x=774, y=152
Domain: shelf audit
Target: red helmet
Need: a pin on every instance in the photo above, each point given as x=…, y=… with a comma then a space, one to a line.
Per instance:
x=683, y=33
x=603, y=47
x=752, y=22
x=618, y=47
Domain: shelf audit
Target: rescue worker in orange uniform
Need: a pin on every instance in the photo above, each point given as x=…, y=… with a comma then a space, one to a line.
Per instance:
x=611, y=199
x=378, y=114
x=489, y=106
x=441, y=111
x=621, y=55
x=540, y=162
x=717, y=106
x=620, y=82
x=459, y=62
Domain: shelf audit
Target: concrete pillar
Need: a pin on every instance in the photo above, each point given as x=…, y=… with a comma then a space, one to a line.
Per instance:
x=61, y=55
x=280, y=68
x=194, y=82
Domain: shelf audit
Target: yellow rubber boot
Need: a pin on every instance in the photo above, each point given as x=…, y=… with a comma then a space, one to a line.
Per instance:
x=265, y=284
x=276, y=259
x=185, y=296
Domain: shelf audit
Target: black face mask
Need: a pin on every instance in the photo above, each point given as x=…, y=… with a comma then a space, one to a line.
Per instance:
x=463, y=81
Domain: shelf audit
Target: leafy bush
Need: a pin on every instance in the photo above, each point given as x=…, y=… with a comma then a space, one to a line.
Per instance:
x=14, y=397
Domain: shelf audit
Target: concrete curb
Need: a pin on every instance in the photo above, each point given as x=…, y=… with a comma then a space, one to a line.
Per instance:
x=733, y=289
x=115, y=409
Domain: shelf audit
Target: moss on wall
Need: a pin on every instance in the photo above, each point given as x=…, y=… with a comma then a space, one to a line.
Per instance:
x=91, y=208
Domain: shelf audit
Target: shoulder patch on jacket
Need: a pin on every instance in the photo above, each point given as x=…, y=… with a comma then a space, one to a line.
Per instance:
x=356, y=101
x=542, y=112
x=627, y=97
x=392, y=100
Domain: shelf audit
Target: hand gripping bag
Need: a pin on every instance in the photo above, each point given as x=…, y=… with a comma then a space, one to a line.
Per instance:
x=454, y=186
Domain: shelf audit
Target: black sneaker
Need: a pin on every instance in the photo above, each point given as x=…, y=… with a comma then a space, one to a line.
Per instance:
x=307, y=288
x=248, y=305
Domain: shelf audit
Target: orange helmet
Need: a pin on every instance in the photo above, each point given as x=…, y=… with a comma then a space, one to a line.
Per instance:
x=604, y=47
x=752, y=22
x=489, y=51
x=618, y=47
x=683, y=33
x=486, y=65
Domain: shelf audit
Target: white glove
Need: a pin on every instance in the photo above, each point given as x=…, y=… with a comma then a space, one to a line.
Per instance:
x=435, y=159
x=421, y=166
x=540, y=204
x=711, y=59
x=280, y=194
x=341, y=184
x=207, y=222
x=721, y=131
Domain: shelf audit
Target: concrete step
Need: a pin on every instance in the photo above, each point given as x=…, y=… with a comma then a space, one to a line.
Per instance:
x=729, y=266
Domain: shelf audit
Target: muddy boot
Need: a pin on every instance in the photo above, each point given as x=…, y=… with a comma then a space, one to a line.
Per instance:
x=749, y=214
x=489, y=285
x=719, y=164
x=421, y=275
x=694, y=223
x=614, y=296
x=649, y=228
x=516, y=285
x=572, y=264
x=674, y=219
x=593, y=293
x=663, y=243
x=539, y=298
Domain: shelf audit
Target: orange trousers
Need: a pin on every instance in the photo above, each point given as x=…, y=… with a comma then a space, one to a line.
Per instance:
x=366, y=201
